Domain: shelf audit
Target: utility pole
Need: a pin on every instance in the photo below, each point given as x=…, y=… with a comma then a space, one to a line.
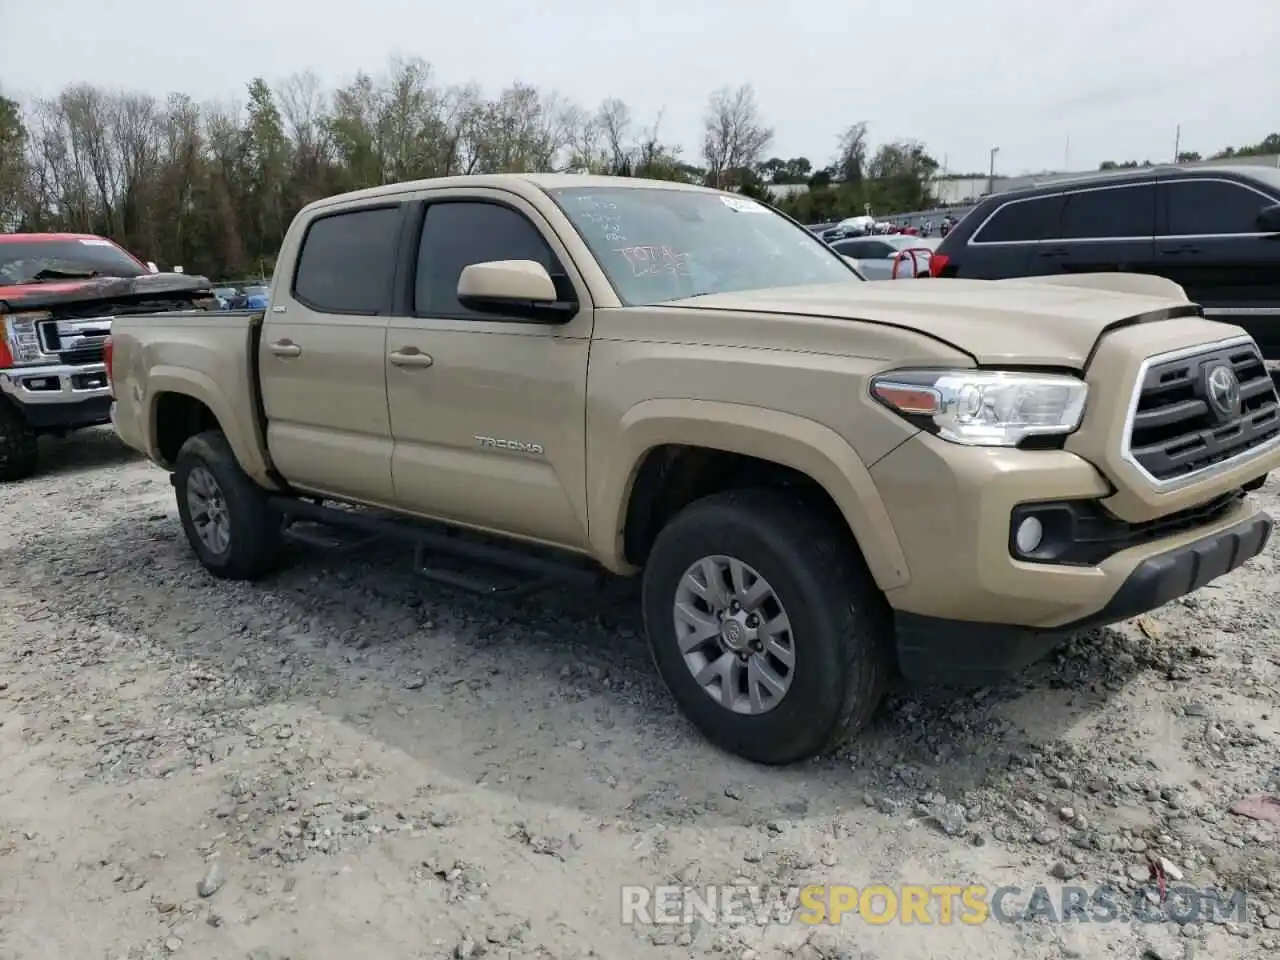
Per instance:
x=1177, y=141
x=991, y=171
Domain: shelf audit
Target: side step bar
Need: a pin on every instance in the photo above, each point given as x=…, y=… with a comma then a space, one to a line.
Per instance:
x=533, y=572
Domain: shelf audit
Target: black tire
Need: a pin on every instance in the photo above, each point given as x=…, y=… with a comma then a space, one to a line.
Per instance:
x=841, y=623
x=19, y=448
x=254, y=547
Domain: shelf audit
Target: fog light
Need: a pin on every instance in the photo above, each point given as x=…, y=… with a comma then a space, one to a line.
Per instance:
x=1028, y=535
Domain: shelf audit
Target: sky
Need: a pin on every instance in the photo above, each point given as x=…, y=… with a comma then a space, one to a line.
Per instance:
x=1061, y=85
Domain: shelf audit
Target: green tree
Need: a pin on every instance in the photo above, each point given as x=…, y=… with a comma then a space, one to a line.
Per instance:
x=13, y=166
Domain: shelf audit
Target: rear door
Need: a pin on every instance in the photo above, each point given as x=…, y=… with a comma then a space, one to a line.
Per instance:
x=1003, y=244
x=1209, y=242
x=1102, y=229
x=323, y=355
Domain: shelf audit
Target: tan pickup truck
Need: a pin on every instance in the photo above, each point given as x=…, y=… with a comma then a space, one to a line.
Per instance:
x=819, y=479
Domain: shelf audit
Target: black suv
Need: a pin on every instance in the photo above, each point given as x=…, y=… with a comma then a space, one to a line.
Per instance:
x=1214, y=231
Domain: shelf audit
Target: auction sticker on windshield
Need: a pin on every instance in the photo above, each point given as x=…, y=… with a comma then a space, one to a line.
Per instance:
x=742, y=205
x=95, y=242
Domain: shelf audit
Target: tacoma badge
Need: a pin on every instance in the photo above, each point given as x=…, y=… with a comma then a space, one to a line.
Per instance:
x=518, y=446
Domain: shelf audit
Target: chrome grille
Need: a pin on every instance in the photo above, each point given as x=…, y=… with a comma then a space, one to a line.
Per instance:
x=1179, y=428
x=75, y=341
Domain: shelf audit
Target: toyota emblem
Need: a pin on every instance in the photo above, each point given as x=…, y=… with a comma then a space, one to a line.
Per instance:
x=1222, y=389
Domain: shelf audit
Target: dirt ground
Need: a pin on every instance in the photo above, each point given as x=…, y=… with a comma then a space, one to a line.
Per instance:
x=348, y=761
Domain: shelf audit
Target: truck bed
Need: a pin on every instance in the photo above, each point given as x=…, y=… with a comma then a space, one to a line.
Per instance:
x=211, y=356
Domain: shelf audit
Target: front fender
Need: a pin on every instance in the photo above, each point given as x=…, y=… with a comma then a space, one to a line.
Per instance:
x=805, y=445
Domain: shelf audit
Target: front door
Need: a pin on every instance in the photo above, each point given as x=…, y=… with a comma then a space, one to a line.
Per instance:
x=1102, y=229
x=1210, y=243
x=488, y=412
x=323, y=356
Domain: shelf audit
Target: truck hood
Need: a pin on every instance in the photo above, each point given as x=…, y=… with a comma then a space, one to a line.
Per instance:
x=150, y=286
x=1037, y=322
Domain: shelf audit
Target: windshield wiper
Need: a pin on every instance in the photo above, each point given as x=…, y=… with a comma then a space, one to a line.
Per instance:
x=53, y=273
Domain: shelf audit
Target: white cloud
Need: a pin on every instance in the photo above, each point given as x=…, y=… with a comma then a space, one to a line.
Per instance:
x=1114, y=79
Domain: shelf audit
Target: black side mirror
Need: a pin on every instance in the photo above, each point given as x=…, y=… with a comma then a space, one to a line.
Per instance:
x=1269, y=219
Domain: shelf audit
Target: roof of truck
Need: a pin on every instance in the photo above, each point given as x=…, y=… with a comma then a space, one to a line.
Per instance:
x=506, y=181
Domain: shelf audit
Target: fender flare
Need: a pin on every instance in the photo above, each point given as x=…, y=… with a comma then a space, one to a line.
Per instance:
x=199, y=386
x=784, y=438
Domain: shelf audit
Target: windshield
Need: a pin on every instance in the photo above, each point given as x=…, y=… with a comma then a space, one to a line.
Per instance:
x=255, y=291
x=224, y=292
x=27, y=261
x=657, y=245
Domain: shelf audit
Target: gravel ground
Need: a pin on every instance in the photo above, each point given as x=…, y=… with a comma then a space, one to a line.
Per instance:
x=347, y=761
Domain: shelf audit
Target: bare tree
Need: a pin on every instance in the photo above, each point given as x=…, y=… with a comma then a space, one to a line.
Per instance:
x=735, y=136
x=614, y=119
x=215, y=186
x=13, y=167
x=851, y=158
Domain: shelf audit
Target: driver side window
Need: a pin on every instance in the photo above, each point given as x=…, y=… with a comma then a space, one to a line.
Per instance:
x=458, y=233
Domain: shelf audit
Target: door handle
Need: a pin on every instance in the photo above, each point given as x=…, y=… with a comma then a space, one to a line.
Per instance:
x=410, y=357
x=1054, y=252
x=285, y=348
x=1183, y=249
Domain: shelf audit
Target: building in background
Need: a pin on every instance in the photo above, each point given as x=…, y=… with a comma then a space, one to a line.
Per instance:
x=960, y=190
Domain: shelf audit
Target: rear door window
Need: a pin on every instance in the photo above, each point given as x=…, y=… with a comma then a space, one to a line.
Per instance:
x=348, y=262
x=1022, y=221
x=868, y=249
x=1112, y=213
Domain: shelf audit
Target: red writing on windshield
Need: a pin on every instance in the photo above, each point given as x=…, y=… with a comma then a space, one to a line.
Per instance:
x=649, y=261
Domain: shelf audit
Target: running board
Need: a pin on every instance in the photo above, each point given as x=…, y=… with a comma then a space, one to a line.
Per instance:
x=329, y=538
x=475, y=584
x=525, y=572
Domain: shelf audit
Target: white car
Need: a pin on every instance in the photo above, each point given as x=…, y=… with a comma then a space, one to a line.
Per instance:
x=891, y=257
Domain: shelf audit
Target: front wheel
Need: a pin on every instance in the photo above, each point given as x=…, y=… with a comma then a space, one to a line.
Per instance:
x=766, y=626
x=19, y=450
x=224, y=513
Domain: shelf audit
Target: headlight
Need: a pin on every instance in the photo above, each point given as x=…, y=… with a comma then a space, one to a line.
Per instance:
x=984, y=408
x=23, y=339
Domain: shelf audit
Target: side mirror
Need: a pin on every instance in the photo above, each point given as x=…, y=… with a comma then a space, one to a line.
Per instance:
x=1269, y=219
x=518, y=289
x=151, y=265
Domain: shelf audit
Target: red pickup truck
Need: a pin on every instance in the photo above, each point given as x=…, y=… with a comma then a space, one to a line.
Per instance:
x=58, y=295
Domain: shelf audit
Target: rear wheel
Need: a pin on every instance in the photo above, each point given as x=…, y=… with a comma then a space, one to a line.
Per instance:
x=19, y=448
x=224, y=513
x=766, y=625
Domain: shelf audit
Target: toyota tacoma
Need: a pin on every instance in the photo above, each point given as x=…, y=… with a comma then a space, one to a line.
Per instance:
x=820, y=480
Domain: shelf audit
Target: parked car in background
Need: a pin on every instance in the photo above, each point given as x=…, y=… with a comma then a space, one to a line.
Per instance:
x=255, y=296
x=1215, y=231
x=224, y=296
x=893, y=256
x=58, y=295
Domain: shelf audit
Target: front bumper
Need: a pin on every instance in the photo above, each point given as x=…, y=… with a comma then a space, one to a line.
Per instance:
x=58, y=396
x=935, y=650
x=972, y=609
